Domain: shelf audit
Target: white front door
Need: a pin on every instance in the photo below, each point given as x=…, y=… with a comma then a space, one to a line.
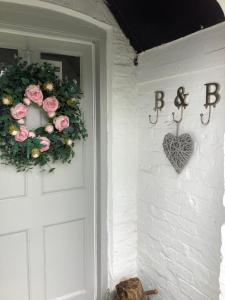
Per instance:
x=47, y=221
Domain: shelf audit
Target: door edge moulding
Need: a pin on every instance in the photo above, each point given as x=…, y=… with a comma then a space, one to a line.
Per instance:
x=103, y=67
x=45, y=35
x=60, y=9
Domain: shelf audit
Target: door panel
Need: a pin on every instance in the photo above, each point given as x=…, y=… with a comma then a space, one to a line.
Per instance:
x=64, y=248
x=14, y=264
x=8, y=175
x=47, y=221
x=75, y=180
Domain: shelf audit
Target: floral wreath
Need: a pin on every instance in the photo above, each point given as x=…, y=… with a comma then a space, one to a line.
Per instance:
x=22, y=85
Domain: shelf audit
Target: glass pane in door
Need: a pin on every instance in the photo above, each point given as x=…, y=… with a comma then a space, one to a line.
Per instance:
x=68, y=66
x=7, y=57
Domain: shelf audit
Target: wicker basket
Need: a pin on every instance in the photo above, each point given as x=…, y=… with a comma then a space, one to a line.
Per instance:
x=132, y=289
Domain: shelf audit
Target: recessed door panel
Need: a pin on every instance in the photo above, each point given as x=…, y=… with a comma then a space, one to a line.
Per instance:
x=14, y=266
x=65, y=258
x=74, y=179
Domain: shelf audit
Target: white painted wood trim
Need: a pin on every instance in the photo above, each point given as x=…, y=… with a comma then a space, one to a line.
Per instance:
x=46, y=35
x=61, y=9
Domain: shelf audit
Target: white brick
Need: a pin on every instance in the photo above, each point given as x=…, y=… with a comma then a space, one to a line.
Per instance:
x=179, y=216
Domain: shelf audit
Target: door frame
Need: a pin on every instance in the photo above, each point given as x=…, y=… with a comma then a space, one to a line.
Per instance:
x=102, y=64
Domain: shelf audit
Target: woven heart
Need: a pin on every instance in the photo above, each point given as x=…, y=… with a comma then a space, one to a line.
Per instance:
x=178, y=149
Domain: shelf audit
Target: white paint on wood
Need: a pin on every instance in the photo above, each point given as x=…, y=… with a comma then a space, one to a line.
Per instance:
x=57, y=211
x=65, y=257
x=14, y=266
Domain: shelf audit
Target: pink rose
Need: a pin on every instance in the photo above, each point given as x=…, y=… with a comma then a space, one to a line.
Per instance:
x=45, y=143
x=34, y=93
x=19, y=111
x=22, y=135
x=50, y=104
x=61, y=122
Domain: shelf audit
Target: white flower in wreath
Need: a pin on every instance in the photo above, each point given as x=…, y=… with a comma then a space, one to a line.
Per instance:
x=32, y=134
x=49, y=128
x=21, y=121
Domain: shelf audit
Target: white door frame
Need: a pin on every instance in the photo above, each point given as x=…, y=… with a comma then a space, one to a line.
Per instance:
x=103, y=118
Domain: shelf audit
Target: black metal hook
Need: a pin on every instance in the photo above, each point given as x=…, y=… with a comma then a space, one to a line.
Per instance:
x=181, y=116
x=159, y=104
x=212, y=99
x=156, y=120
x=209, y=117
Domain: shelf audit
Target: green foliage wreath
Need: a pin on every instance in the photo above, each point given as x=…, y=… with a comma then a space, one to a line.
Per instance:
x=22, y=85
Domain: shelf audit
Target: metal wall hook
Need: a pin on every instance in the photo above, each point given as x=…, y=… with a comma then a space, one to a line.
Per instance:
x=212, y=99
x=181, y=116
x=159, y=104
x=209, y=117
x=180, y=103
x=156, y=120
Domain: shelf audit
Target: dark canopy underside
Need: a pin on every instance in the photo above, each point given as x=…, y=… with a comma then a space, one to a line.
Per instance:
x=149, y=23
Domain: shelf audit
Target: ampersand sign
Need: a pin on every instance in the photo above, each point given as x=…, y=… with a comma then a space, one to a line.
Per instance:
x=180, y=100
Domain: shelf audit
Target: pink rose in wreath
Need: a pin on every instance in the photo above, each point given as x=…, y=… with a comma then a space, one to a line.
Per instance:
x=50, y=104
x=61, y=123
x=23, y=134
x=34, y=93
x=45, y=142
x=19, y=111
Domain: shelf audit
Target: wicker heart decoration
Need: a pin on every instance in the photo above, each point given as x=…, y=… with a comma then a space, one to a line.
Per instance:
x=178, y=149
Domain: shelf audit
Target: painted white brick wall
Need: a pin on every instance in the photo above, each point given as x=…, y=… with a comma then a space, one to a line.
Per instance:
x=222, y=270
x=123, y=217
x=180, y=216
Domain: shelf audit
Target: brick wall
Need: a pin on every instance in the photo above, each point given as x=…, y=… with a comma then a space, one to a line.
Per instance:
x=180, y=216
x=122, y=214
